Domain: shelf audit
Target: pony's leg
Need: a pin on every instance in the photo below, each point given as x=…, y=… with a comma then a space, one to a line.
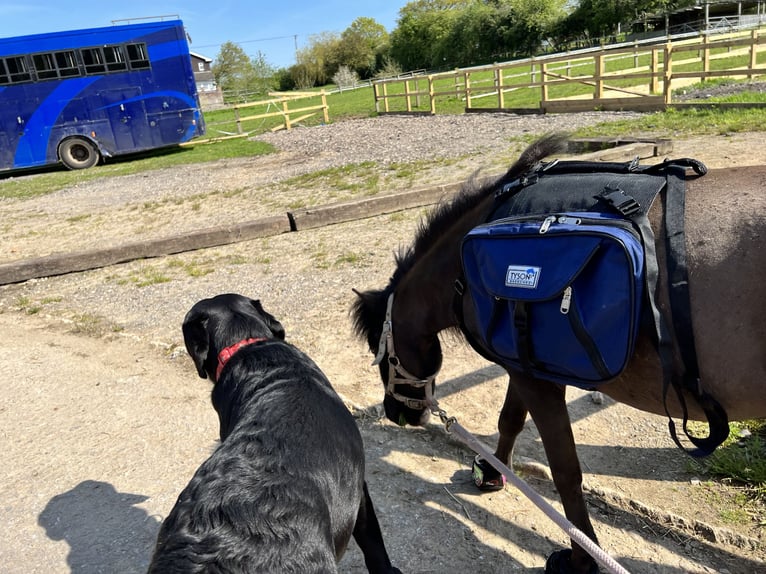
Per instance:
x=509, y=424
x=547, y=406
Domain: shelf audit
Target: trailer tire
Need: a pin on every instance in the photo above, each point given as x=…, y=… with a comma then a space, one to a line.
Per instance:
x=78, y=153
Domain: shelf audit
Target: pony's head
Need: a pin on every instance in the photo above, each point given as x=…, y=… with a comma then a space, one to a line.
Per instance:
x=408, y=397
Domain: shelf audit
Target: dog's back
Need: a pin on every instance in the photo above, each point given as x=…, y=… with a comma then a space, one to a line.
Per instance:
x=278, y=486
x=284, y=491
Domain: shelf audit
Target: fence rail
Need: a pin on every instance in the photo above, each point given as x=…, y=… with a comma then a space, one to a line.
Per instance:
x=276, y=107
x=635, y=76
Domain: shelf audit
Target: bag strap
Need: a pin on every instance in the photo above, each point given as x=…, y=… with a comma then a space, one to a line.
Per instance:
x=678, y=290
x=678, y=287
x=521, y=322
x=682, y=162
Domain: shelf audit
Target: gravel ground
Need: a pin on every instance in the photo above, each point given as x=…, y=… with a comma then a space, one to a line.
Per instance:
x=385, y=140
x=718, y=90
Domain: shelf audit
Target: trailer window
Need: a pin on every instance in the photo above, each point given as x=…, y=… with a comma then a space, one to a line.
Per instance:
x=45, y=66
x=137, y=56
x=67, y=64
x=115, y=58
x=93, y=59
x=18, y=71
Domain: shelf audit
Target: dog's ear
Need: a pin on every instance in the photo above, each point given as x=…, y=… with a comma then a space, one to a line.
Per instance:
x=274, y=325
x=196, y=339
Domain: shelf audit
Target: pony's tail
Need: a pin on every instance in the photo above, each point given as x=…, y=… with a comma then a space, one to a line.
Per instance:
x=547, y=145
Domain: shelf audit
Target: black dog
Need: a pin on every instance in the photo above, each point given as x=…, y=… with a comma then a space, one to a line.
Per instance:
x=285, y=490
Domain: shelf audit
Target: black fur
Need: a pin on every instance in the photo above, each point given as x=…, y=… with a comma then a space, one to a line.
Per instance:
x=284, y=491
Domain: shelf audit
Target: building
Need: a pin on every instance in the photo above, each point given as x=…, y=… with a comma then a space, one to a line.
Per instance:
x=708, y=16
x=210, y=94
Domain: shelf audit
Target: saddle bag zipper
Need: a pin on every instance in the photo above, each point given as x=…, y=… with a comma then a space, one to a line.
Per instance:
x=581, y=333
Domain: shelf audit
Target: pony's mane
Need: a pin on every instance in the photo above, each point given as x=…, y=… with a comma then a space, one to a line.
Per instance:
x=368, y=310
x=438, y=221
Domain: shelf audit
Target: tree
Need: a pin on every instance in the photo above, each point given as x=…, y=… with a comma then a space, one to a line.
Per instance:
x=318, y=61
x=240, y=76
x=264, y=77
x=423, y=25
x=362, y=46
x=231, y=65
x=440, y=33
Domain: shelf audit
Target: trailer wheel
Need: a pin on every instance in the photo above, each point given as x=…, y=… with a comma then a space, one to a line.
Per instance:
x=78, y=153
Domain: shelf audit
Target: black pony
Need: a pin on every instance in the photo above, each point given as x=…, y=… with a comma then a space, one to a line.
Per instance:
x=725, y=239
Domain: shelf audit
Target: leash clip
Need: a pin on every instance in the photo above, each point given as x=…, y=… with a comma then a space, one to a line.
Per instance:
x=446, y=420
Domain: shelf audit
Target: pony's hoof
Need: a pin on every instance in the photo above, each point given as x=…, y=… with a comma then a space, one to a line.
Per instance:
x=558, y=563
x=485, y=477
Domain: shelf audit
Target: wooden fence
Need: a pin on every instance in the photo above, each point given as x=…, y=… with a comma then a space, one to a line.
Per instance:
x=627, y=77
x=279, y=106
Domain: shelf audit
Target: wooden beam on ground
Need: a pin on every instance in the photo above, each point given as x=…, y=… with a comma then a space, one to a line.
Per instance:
x=642, y=104
x=642, y=150
x=309, y=218
x=319, y=216
x=60, y=264
x=607, y=144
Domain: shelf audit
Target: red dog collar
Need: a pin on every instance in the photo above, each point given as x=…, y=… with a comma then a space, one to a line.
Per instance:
x=228, y=353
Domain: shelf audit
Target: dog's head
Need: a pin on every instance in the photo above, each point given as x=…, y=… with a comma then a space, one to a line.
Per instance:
x=213, y=324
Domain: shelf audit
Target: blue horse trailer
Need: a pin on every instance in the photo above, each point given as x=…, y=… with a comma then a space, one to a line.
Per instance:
x=79, y=96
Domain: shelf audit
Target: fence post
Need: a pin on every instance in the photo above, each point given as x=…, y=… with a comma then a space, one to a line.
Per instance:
x=375, y=95
x=705, y=56
x=499, y=87
x=236, y=119
x=753, y=52
x=666, y=91
x=431, y=95
x=325, y=108
x=598, y=64
x=457, y=83
x=407, y=95
x=543, y=84
x=286, y=112
x=467, y=81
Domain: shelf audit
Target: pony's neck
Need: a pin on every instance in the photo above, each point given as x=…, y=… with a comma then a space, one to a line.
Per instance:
x=428, y=289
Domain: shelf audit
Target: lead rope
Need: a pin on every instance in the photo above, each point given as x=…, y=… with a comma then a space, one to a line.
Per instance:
x=453, y=427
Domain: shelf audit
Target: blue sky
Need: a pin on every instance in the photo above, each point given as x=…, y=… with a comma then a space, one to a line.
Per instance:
x=273, y=28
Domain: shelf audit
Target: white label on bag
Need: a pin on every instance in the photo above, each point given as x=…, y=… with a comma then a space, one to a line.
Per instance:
x=522, y=276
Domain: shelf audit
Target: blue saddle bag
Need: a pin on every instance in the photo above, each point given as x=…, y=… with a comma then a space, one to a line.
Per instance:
x=557, y=296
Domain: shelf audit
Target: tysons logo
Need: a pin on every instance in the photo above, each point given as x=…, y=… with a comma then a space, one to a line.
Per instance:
x=522, y=276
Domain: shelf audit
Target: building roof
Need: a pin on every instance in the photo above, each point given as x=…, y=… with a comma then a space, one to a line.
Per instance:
x=201, y=57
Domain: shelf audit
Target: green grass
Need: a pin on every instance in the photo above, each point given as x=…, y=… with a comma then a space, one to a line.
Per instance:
x=741, y=458
x=144, y=276
x=354, y=177
x=40, y=182
x=686, y=122
x=93, y=325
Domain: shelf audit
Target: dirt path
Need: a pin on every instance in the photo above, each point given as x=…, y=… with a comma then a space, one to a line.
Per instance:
x=103, y=420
